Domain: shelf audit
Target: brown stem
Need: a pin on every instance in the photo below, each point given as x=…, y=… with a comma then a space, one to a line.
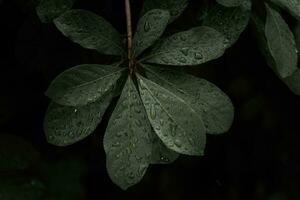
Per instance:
x=129, y=36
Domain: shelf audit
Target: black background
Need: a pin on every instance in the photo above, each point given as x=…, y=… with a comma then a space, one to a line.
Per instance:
x=257, y=159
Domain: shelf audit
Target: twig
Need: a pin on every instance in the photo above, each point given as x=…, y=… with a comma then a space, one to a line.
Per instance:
x=129, y=36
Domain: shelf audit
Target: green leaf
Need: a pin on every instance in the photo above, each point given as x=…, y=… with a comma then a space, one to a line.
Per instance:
x=150, y=27
x=216, y=109
x=175, y=122
x=193, y=47
x=90, y=31
x=175, y=7
x=16, y=153
x=48, y=10
x=281, y=43
x=65, y=125
x=160, y=153
x=84, y=84
x=229, y=21
x=291, y=81
x=19, y=186
x=292, y=6
x=127, y=140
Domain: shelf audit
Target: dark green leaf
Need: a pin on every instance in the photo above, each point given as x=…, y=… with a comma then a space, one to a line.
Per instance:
x=293, y=6
x=15, y=153
x=281, y=43
x=127, y=140
x=90, y=31
x=204, y=97
x=150, y=27
x=229, y=21
x=175, y=7
x=65, y=125
x=84, y=84
x=48, y=10
x=175, y=122
x=292, y=81
x=192, y=47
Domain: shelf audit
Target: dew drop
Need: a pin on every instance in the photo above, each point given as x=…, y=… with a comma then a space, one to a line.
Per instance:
x=173, y=130
x=183, y=38
x=182, y=60
x=116, y=144
x=185, y=51
x=177, y=142
x=198, y=56
x=147, y=26
x=164, y=159
x=152, y=112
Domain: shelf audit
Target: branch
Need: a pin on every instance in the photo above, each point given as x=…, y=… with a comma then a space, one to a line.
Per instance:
x=129, y=36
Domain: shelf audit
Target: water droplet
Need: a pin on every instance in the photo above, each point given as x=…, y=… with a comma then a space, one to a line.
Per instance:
x=116, y=144
x=164, y=159
x=198, y=56
x=226, y=42
x=182, y=60
x=152, y=112
x=131, y=175
x=183, y=38
x=185, y=51
x=161, y=122
x=173, y=130
x=147, y=26
x=177, y=142
x=191, y=141
x=119, y=134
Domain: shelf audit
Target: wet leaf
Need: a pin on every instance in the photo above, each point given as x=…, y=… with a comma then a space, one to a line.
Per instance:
x=229, y=21
x=150, y=27
x=281, y=43
x=127, y=140
x=193, y=47
x=84, y=84
x=90, y=31
x=16, y=153
x=205, y=98
x=65, y=125
x=174, y=121
x=292, y=6
x=48, y=10
x=175, y=7
x=291, y=81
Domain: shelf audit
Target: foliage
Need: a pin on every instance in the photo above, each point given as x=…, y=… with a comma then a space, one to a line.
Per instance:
x=161, y=111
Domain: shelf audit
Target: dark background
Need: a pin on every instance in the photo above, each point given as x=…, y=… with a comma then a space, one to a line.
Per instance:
x=257, y=159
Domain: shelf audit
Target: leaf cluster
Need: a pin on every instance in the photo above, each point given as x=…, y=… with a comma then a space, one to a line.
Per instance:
x=161, y=110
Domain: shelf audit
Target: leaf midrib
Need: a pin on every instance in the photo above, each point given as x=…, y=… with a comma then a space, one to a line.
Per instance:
x=96, y=80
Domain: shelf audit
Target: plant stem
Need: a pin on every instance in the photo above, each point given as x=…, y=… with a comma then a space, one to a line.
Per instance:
x=129, y=36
